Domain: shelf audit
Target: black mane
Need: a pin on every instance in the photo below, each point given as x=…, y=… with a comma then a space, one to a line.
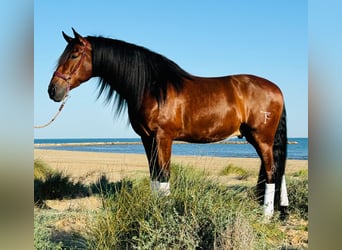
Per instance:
x=128, y=71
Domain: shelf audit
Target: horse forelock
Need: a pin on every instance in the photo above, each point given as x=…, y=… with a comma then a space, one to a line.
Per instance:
x=128, y=71
x=65, y=55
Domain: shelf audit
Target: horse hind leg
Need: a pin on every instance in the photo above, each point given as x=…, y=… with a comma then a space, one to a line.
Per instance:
x=280, y=155
x=260, y=186
x=269, y=168
x=249, y=134
x=271, y=187
x=281, y=201
x=266, y=183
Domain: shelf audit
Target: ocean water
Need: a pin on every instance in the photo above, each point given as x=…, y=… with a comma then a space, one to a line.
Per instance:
x=297, y=149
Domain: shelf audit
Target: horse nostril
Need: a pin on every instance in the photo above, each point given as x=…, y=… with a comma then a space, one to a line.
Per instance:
x=52, y=90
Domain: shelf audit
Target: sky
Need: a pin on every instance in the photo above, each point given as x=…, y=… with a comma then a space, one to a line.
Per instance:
x=206, y=38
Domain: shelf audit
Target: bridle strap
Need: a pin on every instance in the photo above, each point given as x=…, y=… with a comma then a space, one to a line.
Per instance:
x=60, y=75
x=67, y=77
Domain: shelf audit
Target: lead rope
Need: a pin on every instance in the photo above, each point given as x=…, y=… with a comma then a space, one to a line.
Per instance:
x=55, y=116
x=65, y=99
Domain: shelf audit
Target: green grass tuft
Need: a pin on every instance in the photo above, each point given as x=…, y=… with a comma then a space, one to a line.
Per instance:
x=49, y=184
x=231, y=169
x=298, y=192
x=301, y=173
x=41, y=170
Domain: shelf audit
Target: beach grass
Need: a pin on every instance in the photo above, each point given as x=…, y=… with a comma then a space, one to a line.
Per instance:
x=41, y=170
x=200, y=213
x=231, y=169
x=51, y=184
x=298, y=191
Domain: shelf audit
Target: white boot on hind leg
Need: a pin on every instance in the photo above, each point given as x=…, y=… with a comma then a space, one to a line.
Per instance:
x=162, y=188
x=284, y=200
x=269, y=200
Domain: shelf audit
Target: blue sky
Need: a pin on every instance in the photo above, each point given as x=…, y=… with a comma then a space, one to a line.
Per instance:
x=206, y=38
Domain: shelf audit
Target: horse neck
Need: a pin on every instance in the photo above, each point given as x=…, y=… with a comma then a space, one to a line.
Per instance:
x=126, y=69
x=114, y=82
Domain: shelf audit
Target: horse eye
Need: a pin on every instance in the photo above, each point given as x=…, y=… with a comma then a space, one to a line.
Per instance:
x=73, y=56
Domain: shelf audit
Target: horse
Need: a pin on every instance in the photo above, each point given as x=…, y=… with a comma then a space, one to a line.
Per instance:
x=165, y=104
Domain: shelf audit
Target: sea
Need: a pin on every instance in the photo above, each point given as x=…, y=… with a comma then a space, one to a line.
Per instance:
x=233, y=147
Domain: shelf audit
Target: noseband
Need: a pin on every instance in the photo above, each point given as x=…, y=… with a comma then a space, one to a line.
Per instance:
x=67, y=77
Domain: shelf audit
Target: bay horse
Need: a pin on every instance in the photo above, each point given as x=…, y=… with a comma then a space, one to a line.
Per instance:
x=166, y=103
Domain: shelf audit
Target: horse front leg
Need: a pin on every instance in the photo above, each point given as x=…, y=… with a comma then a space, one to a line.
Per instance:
x=158, y=151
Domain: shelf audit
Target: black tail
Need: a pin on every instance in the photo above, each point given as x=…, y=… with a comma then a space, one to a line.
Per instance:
x=279, y=155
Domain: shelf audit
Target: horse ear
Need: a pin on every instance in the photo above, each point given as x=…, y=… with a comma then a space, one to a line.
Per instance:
x=78, y=37
x=66, y=37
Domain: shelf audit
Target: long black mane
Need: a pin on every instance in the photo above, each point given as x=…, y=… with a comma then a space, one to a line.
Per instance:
x=128, y=71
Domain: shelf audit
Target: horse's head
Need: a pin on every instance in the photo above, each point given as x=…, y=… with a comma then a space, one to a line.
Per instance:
x=74, y=67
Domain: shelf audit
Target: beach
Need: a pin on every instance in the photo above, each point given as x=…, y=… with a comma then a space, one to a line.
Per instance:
x=89, y=166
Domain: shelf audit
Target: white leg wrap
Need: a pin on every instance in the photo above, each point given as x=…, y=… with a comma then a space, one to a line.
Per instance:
x=284, y=200
x=269, y=200
x=161, y=187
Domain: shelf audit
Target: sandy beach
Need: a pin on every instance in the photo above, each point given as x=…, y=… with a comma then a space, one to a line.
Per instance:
x=89, y=166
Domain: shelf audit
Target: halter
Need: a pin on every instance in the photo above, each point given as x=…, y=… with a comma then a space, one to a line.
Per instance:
x=65, y=77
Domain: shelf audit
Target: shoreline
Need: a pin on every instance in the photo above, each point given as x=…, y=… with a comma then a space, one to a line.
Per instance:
x=89, y=166
x=72, y=144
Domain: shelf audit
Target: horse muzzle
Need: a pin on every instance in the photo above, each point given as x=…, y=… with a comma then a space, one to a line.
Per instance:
x=56, y=93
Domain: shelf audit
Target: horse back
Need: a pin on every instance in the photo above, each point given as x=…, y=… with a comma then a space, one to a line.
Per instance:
x=209, y=109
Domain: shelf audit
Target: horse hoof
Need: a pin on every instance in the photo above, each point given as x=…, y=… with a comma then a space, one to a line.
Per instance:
x=284, y=215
